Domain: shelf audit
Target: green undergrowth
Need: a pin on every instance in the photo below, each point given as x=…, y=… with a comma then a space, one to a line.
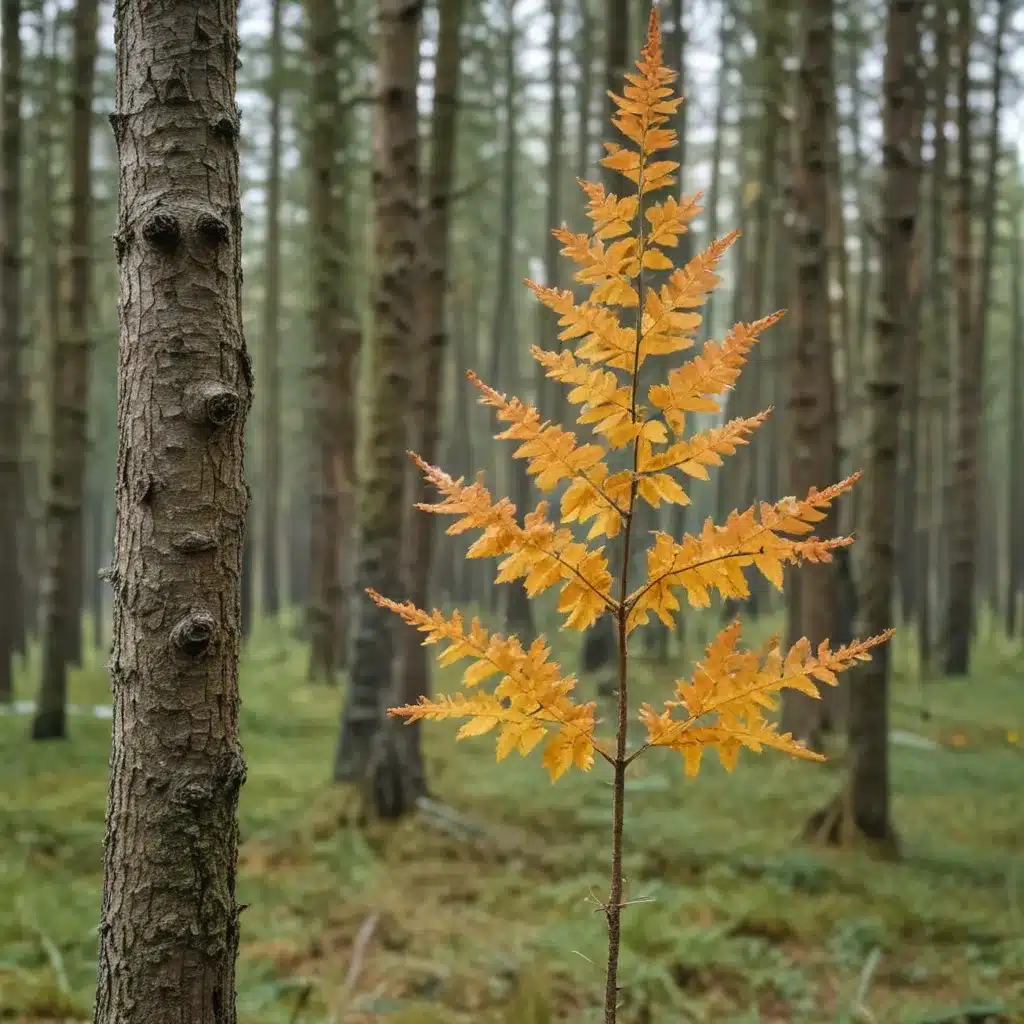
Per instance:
x=482, y=908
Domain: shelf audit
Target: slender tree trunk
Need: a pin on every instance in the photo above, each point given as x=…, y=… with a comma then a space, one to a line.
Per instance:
x=725, y=31
x=937, y=434
x=814, y=428
x=616, y=65
x=865, y=806
x=1015, y=495
x=432, y=341
x=62, y=592
x=585, y=95
x=517, y=607
x=270, y=553
x=962, y=493
x=394, y=770
x=12, y=619
x=169, y=924
x=550, y=396
x=327, y=270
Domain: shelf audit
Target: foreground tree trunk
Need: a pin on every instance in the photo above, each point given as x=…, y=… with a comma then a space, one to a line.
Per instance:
x=62, y=588
x=169, y=925
x=395, y=771
x=11, y=606
x=864, y=808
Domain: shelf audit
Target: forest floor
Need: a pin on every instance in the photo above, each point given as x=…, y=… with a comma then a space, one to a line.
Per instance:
x=484, y=917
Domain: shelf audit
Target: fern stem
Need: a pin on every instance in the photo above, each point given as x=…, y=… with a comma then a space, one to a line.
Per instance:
x=613, y=910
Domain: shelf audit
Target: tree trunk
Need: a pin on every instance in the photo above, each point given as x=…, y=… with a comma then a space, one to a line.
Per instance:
x=972, y=319
x=937, y=437
x=864, y=808
x=169, y=924
x=505, y=358
x=813, y=427
x=62, y=590
x=550, y=395
x=395, y=775
x=12, y=619
x=432, y=341
x=327, y=271
x=270, y=552
x=1015, y=501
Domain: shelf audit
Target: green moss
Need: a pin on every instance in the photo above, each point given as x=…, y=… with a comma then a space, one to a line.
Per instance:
x=486, y=918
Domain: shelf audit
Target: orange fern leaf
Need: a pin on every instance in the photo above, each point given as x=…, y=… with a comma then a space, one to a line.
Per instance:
x=531, y=700
x=736, y=687
x=716, y=559
x=691, y=387
x=536, y=552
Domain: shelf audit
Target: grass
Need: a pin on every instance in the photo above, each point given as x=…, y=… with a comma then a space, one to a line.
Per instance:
x=485, y=917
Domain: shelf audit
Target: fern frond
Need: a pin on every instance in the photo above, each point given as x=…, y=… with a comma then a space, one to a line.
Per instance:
x=531, y=699
x=691, y=387
x=737, y=686
x=717, y=557
x=537, y=552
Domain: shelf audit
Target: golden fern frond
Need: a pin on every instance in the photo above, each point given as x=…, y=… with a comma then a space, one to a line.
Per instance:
x=537, y=552
x=736, y=686
x=551, y=452
x=691, y=387
x=716, y=558
x=531, y=699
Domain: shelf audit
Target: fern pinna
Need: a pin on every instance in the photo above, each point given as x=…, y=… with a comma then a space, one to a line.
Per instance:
x=625, y=321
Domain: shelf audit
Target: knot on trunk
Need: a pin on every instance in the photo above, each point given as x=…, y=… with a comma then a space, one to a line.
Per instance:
x=162, y=231
x=193, y=634
x=212, y=230
x=210, y=404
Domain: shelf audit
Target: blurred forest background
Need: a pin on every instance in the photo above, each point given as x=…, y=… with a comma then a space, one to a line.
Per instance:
x=471, y=906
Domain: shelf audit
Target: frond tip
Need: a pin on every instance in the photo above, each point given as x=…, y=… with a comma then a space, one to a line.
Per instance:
x=531, y=700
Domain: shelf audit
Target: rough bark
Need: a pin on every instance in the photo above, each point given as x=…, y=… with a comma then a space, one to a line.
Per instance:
x=864, y=808
x=972, y=320
x=380, y=507
x=270, y=553
x=432, y=338
x=62, y=587
x=11, y=400
x=169, y=924
x=813, y=423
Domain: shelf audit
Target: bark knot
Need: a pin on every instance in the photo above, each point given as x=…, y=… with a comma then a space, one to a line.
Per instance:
x=162, y=231
x=194, y=542
x=210, y=404
x=225, y=128
x=193, y=634
x=212, y=229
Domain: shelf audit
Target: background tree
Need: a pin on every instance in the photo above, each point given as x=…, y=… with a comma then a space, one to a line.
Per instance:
x=11, y=400
x=379, y=509
x=62, y=589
